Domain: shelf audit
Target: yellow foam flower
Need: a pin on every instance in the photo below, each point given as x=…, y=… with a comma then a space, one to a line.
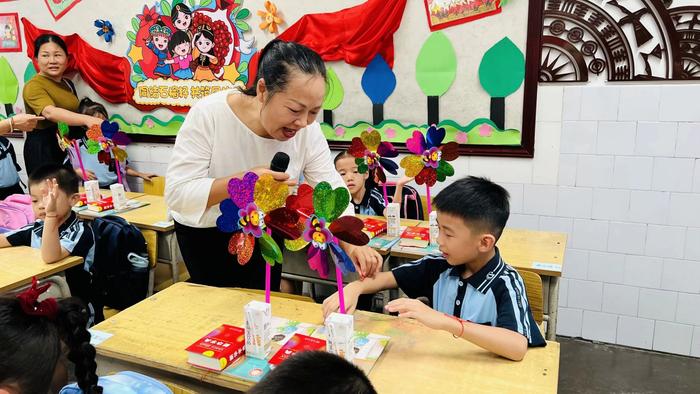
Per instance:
x=270, y=19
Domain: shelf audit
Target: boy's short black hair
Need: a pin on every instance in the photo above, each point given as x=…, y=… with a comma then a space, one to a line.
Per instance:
x=479, y=202
x=67, y=180
x=315, y=372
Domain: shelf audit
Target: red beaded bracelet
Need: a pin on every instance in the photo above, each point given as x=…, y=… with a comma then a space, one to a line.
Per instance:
x=461, y=324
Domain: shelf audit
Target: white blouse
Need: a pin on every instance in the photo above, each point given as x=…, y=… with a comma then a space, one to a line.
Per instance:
x=213, y=143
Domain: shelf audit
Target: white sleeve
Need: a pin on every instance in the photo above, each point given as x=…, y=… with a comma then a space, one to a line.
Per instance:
x=318, y=163
x=187, y=181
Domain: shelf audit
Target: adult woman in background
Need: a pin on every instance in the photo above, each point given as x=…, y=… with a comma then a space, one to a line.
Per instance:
x=230, y=133
x=54, y=98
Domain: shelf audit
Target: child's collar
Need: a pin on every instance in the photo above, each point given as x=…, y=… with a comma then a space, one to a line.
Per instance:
x=483, y=278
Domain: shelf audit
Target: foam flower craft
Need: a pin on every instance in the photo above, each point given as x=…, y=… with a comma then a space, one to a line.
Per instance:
x=105, y=29
x=324, y=226
x=371, y=153
x=429, y=161
x=104, y=139
x=257, y=204
x=270, y=19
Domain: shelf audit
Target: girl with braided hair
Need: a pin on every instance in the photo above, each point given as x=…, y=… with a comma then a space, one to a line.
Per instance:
x=37, y=339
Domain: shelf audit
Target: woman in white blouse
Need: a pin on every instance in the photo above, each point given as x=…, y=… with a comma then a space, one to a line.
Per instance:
x=229, y=133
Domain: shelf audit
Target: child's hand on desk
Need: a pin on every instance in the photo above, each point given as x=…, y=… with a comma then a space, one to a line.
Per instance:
x=332, y=303
x=415, y=309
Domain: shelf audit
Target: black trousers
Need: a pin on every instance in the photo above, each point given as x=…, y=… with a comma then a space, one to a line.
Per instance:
x=14, y=189
x=40, y=148
x=205, y=251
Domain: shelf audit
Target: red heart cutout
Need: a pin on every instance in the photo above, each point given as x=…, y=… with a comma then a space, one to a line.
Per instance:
x=303, y=201
x=349, y=229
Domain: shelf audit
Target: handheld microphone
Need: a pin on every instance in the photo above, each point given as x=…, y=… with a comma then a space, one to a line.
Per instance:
x=280, y=162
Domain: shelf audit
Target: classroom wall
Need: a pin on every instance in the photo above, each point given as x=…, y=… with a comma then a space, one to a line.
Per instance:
x=617, y=167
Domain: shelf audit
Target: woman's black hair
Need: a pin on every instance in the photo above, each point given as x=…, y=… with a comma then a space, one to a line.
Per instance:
x=45, y=39
x=178, y=9
x=92, y=108
x=30, y=346
x=278, y=59
x=179, y=37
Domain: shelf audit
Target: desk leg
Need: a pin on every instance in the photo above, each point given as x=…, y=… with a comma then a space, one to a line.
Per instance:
x=553, y=306
x=174, y=251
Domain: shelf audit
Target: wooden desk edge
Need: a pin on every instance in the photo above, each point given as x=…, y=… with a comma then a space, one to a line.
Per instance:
x=60, y=266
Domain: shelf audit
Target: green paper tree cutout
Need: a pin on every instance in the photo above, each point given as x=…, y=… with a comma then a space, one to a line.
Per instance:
x=334, y=95
x=9, y=86
x=29, y=72
x=436, y=68
x=501, y=72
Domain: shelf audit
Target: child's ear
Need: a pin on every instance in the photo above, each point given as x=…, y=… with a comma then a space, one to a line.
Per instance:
x=487, y=242
x=74, y=198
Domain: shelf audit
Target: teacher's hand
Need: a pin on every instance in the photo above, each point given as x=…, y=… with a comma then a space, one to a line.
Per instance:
x=367, y=260
x=278, y=176
x=25, y=122
x=92, y=120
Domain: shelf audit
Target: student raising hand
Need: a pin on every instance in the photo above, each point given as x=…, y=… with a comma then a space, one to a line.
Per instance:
x=51, y=197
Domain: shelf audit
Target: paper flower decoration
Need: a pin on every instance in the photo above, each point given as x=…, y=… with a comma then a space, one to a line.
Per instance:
x=270, y=19
x=104, y=139
x=257, y=204
x=106, y=30
x=324, y=226
x=429, y=162
x=371, y=153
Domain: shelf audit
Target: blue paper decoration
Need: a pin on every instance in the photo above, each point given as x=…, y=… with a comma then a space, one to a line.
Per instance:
x=378, y=80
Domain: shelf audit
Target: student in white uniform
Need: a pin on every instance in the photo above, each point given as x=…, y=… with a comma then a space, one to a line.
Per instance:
x=232, y=132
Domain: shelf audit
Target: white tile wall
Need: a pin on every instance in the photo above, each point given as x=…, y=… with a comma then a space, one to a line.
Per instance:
x=688, y=309
x=578, y=137
x=671, y=174
x=649, y=206
x=633, y=172
x=599, y=103
x=615, y=137
x=657, y=304
x=679, y=103
x=692, y=243
x=569, y=322
x=590, y=234
x=584, y=294
x=665, y=241
x=567, y=170
x=681, y=275
x=540, y=199
x=606, y=267
x=688, y=140
x=672, y=337
x=695, y=349
x=635, y=332
x=639, y=103
x=574, y=202
x=557, y=224
x=620, y=299
x=696, y=177
x=684, y=209
x=598, y=326
x=656, y=139
x=627, y=237
x=576, y=264
x=643, y=271
x=595, y=171
x=571, y=103
x=611, y=204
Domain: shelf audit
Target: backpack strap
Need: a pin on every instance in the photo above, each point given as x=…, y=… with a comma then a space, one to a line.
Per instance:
x=71, y=86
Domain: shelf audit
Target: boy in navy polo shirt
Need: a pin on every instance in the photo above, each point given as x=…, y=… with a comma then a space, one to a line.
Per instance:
x=57, y=231
x=474, y=294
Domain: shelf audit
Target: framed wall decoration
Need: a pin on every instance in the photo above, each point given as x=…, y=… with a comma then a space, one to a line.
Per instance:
x=58, y=8
x=10, y=39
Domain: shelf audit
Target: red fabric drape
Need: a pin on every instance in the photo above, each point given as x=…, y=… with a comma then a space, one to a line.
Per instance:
x=354, y=35
x=107, y=74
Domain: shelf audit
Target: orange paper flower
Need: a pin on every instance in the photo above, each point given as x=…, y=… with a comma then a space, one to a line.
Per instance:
x=270, y=19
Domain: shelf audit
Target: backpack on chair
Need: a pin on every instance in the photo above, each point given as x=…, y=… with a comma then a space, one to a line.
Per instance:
x=120, y=269
x=16, y=212
x=411, y=205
